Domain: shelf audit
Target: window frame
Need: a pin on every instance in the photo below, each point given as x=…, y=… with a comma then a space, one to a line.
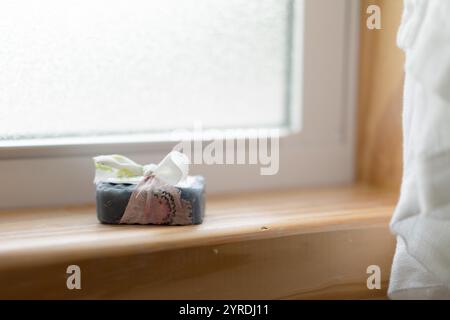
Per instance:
x=316, y=149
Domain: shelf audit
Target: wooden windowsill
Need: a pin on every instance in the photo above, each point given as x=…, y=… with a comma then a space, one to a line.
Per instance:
x=311, y=231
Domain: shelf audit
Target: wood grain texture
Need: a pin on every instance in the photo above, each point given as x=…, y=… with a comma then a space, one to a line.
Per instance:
x=379, y=150
x=293, y=244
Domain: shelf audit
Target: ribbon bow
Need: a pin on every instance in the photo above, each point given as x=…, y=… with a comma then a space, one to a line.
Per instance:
x=173, y=169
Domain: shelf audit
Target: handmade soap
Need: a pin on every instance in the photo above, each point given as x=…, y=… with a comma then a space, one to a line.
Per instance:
x=113, y=199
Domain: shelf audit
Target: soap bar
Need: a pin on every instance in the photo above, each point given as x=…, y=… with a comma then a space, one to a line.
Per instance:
x=112, y=199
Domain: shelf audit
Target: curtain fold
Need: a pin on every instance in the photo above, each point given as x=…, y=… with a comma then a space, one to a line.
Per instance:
x=421, y=221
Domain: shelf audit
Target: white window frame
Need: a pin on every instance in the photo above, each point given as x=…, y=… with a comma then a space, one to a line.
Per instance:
x=60, y=172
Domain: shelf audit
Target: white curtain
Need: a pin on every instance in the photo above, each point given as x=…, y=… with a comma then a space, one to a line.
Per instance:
x=421, y=267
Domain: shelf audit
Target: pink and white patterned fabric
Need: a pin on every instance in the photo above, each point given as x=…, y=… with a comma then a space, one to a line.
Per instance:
x=156, y=202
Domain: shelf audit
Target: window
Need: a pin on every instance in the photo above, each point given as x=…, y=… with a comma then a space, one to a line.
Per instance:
x=90, y=68
x=80, y=78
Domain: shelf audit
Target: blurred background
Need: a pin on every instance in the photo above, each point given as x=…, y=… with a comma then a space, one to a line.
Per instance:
x=379, y=156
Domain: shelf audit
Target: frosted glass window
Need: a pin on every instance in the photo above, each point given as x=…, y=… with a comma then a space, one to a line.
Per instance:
x=97, y=67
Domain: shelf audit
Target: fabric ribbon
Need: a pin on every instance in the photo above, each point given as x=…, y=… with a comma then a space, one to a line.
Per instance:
x=173, y=169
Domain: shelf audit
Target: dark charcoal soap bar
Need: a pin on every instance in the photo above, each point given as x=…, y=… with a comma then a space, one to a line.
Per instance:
x=112, y=199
